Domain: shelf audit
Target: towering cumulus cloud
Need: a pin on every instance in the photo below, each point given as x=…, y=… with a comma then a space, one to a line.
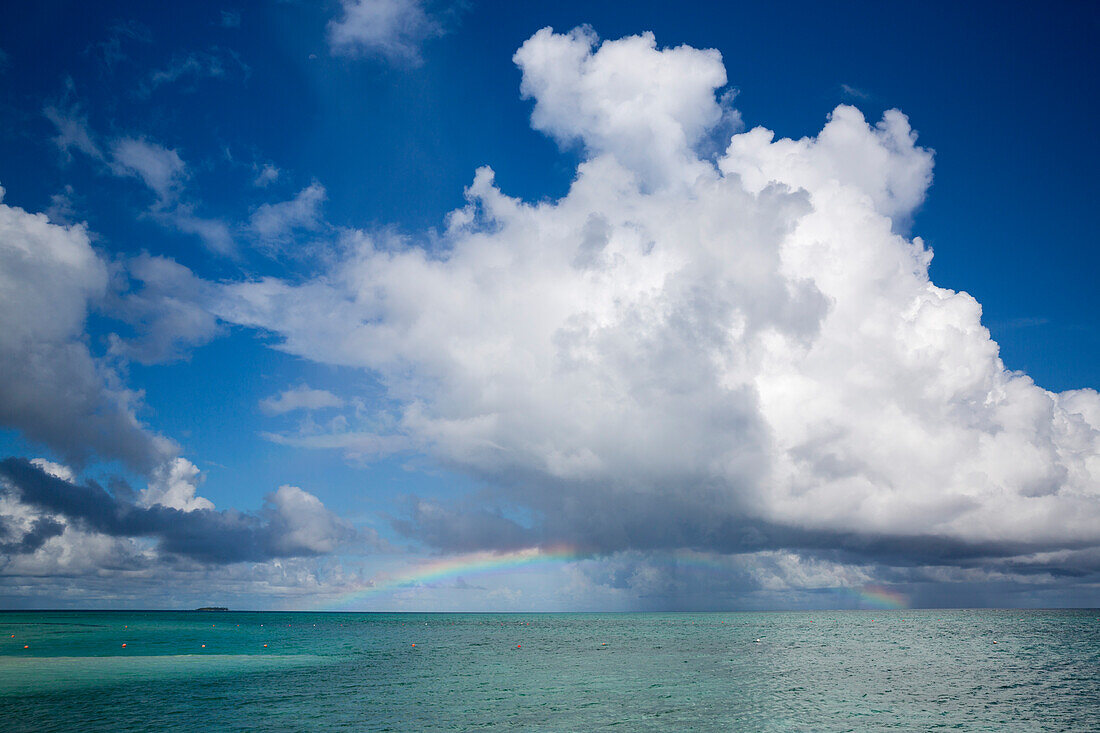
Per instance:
x=735, y=354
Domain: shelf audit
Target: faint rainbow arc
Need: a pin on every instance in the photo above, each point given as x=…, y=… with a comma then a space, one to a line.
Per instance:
x=488, y=563
x=882, y=597
x=478, y=563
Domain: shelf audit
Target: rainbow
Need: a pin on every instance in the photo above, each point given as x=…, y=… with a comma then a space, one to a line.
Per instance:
x=495, y=563
x=878, y=596
x=452, y=568
x=445, y=569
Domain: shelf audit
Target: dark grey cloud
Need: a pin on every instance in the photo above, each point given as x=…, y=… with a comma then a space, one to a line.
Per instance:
x=604, y=523
x=55, y=395
x=677, y=581
x=291, y=524
x=464, y=529
x=13, y=542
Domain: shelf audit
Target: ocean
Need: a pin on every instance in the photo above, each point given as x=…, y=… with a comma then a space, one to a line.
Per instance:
x=969, y=670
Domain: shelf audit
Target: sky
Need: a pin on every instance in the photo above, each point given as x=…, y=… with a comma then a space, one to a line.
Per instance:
x=410, y=305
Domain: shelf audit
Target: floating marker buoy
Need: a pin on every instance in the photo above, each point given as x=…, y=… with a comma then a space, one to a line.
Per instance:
x=414, y=644
x=25, y=646
x=265, y=646
x=204, y=646
x=518, y=646
x=123, y=646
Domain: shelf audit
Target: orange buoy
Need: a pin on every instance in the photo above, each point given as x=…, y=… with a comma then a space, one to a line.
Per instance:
x=519, y=646
x=414, y=644
x=25, y=646
x=204, y=646
x=265, y=646
x=123, y=646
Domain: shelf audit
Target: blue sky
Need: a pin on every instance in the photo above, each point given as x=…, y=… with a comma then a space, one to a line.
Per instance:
x=264, y=198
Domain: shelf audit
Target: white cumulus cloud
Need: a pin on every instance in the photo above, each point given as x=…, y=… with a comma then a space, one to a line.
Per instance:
x=174, y=485
x=647, y=107
x=301, y=523
x=747, y=353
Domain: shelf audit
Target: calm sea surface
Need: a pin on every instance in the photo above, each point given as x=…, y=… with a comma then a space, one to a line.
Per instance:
x=813, y=671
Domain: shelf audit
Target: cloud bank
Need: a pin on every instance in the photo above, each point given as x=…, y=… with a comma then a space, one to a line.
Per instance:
x=69, y=544
x=292, y=523
x=740, y=353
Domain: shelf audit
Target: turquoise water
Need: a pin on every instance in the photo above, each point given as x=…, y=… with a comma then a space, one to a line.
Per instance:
x=812, y=671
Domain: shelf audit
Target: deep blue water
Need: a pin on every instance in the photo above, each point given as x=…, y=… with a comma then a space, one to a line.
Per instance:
x=806, y=671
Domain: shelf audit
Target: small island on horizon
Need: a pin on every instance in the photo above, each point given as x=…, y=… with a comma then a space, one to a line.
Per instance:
x=212, y=608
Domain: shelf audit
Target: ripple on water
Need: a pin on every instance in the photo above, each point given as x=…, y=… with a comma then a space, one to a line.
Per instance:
x=23, y=676
x=824, y=671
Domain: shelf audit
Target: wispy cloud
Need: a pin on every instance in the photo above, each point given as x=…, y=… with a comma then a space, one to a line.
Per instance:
x=164, y=305
x=158, y=167
x=161, y=169
x=216, y=234
x=72, y=132
x=854, y=92
x=266, y=174
x=194, y=66
x=391, y=29
x=301, y=397
x=112, y=50
x=230, y=19
x=273, y=224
